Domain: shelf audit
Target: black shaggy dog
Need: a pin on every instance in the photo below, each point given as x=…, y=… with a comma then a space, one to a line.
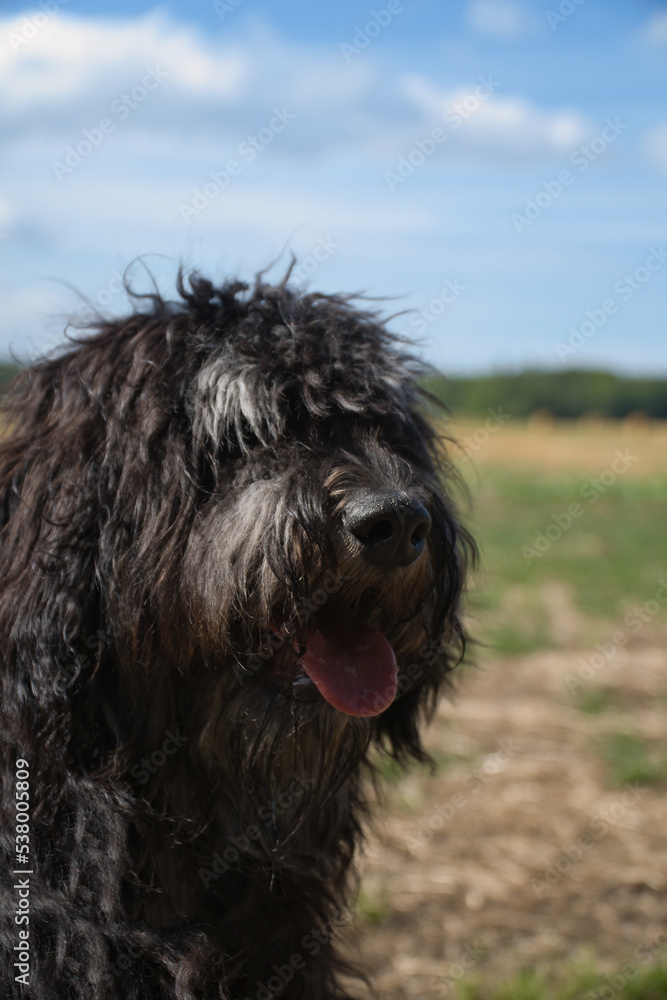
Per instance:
x=230, y=576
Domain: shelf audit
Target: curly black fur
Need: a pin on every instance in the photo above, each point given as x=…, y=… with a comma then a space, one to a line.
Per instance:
x=168, y=485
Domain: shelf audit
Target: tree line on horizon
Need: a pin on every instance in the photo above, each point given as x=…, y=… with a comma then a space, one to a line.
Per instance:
x=565, y=394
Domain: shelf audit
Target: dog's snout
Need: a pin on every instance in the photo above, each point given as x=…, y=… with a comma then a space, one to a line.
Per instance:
x=391, y=526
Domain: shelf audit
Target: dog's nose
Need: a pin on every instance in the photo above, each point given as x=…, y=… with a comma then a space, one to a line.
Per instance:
x=392, y=527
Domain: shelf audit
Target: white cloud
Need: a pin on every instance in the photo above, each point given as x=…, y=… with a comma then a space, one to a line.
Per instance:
x=71, y=59
x=501, y=18
x=68, y=76
x=497, y=124
x=655, y=29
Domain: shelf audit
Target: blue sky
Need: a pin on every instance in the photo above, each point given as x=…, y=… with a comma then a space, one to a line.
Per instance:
x=499, y=166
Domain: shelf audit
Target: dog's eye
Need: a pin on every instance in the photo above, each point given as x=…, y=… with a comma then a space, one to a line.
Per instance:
x=264, y=473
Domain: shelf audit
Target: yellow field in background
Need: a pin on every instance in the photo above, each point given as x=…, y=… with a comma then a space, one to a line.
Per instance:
x=541, y=445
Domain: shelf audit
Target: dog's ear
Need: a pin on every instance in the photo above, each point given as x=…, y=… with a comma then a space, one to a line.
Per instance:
x=49, y=600
x=90, y=478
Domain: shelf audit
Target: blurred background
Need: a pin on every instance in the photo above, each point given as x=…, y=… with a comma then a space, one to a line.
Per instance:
x=499, y=168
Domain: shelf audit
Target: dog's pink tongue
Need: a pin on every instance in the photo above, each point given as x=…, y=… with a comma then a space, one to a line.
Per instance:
x=352, y=666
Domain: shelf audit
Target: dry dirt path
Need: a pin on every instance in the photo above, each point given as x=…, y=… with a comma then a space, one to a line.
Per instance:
x=521, y=851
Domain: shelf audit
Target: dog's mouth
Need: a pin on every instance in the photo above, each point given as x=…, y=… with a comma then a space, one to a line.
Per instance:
x=352, y=665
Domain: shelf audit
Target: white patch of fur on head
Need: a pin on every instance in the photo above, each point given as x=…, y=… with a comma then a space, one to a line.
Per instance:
x=233, y=400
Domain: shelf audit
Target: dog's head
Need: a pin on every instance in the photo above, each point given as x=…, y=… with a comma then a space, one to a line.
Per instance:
x=325, y=563
x=243, y=493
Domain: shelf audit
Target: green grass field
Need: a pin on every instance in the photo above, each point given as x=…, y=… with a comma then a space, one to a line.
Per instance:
x=610, y=550
x=608, y=554
x=577, y=981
